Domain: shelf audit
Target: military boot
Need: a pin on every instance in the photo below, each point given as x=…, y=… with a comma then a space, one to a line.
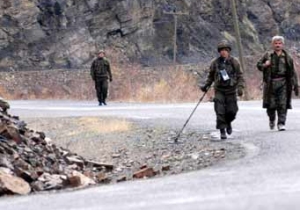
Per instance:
x=281, y=127
x=272, y=125
x=223, y=134
x=229, y=129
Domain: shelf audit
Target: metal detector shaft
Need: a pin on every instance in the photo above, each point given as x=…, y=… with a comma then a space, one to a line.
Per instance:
x=187, y=121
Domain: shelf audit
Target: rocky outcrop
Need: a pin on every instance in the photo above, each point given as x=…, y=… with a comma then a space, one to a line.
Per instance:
x=66, y=33
x=30, y=162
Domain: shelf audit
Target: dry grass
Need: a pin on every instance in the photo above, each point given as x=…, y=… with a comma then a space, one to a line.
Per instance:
x=168, y=84
x=91, y=125
x=132, y=83
x=84, y=135
x=98, y=125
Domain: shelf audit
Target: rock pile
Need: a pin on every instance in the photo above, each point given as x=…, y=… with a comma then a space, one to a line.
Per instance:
x=30, y=162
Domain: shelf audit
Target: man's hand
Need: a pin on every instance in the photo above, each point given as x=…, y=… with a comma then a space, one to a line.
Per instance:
x=240, y=91
x=204, y=88
x=267, y=64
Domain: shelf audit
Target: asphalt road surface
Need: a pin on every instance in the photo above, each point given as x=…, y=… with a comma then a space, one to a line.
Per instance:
x=268, y=178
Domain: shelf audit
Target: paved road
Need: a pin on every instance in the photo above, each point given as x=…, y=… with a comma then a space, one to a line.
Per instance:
x=268, y=178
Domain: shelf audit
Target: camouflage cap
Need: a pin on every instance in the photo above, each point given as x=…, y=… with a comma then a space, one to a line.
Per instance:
x=223, y=45
x=101, y=51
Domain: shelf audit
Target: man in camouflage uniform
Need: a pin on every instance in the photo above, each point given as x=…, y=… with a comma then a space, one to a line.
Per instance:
x=279, y=80
x=101, y=73
x=227, y=76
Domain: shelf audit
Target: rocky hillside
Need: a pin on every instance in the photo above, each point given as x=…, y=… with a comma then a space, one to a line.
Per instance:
x=66, y=33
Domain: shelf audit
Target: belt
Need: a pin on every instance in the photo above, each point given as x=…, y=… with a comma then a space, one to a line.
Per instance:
x=278, y=79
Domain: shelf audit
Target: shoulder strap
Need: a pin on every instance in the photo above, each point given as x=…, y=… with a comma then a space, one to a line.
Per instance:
x=232, y=63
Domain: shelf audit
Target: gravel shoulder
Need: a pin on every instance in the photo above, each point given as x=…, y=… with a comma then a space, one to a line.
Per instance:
x=133, y=145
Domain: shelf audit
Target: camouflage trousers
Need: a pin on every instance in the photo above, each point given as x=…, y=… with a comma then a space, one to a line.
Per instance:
x=101, y=86
x=278, y=102
x=226, y=108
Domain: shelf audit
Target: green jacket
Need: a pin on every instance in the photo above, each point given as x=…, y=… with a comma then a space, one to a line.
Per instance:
x=100, y=69
x=291, y=77
x=233, y=69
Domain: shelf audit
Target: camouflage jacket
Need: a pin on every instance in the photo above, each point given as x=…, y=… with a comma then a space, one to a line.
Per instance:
x=286, y=65
x=233, y=69
x=100, y=69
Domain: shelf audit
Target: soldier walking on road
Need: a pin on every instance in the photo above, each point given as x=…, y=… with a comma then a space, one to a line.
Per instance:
x=279, y=80
x=227, y=76
x=101, y=73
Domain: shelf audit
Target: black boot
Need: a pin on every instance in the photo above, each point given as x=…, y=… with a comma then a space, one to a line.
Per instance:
x=229, y=129
x=223, y=134
x=272, y=125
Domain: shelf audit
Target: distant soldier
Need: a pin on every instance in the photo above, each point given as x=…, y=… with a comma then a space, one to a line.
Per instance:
x=279, y=80
x=227, y=76
x=101, y=73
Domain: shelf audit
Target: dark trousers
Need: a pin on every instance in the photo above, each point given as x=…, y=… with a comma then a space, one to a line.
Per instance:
x=101, y=86
x=226, y=108
x=281, y=115
x=278, y=102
